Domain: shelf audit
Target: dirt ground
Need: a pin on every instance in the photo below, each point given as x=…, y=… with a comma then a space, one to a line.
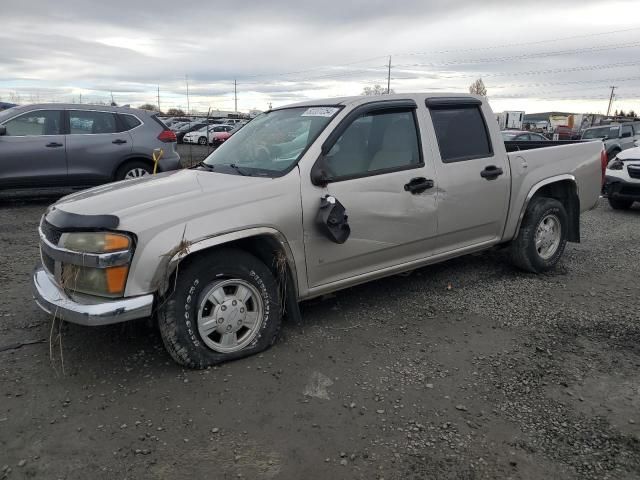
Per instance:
x=464, y=370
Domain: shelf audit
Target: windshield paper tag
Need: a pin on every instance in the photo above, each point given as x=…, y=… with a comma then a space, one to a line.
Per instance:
x=320, y=112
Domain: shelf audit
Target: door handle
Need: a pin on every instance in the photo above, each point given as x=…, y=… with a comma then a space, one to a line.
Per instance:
x=418, y=185
x=54, y=145
x=491, y=172
x=119, y=141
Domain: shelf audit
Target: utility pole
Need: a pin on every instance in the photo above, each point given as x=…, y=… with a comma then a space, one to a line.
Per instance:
x=80, y=97
x=159, y=98
x=235, y=96
x=186, y=79
x=613, y=88
x=389, y=77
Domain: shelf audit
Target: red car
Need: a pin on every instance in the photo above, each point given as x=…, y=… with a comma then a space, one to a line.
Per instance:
x=220, y=137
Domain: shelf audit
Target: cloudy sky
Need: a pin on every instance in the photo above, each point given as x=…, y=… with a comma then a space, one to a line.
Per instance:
x=532, y=56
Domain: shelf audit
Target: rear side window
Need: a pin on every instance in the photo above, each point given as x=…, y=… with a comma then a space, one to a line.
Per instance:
x=129, y=121
x=461, y=132
x=626, y=129
x=86, y=122
x=40, y=122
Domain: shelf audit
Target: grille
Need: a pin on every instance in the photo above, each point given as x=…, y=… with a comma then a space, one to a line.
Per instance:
x=50, y=232
x=634, y=171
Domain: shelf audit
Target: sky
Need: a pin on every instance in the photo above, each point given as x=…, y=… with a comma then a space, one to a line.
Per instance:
x=532, y=56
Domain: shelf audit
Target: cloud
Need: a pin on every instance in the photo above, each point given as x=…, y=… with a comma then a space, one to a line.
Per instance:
x=284, y=49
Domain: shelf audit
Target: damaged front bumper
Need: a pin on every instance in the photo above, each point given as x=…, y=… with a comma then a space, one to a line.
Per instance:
x=54, y=300
x=618, y=188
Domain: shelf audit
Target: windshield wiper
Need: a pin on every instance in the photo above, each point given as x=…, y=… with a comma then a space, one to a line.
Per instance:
x=239, y=170
x=205, y=165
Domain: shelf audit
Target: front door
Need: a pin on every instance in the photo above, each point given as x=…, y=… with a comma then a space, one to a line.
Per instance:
x=379, y=174
x=32, y=151
x=473, y=178
x=95, y=148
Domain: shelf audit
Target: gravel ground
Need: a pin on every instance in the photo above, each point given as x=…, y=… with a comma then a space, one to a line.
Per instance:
x=466, y=369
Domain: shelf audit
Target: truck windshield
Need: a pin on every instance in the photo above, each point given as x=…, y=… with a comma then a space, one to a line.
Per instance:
x=271, y=143
x=602, y=132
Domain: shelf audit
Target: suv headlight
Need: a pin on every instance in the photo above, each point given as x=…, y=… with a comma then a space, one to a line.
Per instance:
x=615, y=164
x=108, y=280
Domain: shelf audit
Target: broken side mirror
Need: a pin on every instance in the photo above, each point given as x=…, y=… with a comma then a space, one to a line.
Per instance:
x=332, y=220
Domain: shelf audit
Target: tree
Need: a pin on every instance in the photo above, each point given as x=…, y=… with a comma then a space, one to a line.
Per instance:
x=631, y=114
x=149, y=106
x=478, y=88
x=175, y=112
x=621, y=113
x=376, y=90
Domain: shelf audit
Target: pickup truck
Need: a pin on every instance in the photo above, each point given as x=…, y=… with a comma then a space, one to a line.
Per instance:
x=305, y=200
x=616, y=137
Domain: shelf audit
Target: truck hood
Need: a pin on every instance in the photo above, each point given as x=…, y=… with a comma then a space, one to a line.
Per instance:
x=167, y=196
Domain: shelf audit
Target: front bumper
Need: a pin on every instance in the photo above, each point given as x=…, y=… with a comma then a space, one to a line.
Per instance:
x=615, y=187
x=53, y=299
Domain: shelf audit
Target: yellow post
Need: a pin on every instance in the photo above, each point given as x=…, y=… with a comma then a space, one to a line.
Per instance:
x=157, y=155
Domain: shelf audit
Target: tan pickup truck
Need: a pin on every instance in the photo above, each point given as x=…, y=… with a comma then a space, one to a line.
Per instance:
x=306, y=200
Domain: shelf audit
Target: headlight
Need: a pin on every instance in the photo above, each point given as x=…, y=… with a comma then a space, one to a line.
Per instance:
x=106, y=280
x=102, y=282
x=615, y=164
x=95, y=242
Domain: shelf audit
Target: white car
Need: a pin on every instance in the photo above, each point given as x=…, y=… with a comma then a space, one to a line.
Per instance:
x=206, y=134
x=622, y=181
x=218, y=133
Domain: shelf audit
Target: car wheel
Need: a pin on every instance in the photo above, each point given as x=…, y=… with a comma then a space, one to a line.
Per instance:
x=542, y=236
x=131, y=170
x=612, y=154
x=224, y=306
x=202, y=141
x=619, y=203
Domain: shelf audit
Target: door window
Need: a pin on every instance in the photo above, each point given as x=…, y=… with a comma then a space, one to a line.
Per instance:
x=377, y=142
x=41, y=122
x=86, y=122
x=461, y=132
x=626, y=131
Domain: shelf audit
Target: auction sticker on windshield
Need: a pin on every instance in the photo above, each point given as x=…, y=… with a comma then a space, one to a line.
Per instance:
x=320, y=112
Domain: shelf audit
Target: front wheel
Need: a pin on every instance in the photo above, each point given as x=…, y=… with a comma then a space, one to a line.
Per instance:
x=202, y=141
x=224, y=306
x=620, y=204
x=542, y=236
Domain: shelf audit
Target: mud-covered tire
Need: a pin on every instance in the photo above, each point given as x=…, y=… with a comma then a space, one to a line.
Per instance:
x=524, y=252
x=178, y=314
x=620, y=204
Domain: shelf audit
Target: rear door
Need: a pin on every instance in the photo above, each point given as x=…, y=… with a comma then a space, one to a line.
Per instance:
x=95, y=146
x=473, y=177
x=32, y=152
x=626, y=137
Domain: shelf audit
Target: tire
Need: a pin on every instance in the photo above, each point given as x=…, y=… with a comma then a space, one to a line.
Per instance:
x=202, y=141
x=620, y=204
x=612, y=154
x=183, y=331
x=525, y=254
x=134, y=169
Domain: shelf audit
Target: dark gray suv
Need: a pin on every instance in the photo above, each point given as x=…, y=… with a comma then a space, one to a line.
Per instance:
x=71, y=145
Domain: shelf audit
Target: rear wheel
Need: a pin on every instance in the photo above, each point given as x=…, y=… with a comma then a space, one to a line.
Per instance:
x=135, y=169
x=620, y=204
x=542, y=236
x=202, y=141
x=225, y=306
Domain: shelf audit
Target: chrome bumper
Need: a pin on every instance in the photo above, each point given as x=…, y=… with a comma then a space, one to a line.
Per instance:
x=53, y=300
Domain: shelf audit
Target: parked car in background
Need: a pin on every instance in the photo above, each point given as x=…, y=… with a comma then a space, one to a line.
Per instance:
x=78, y=145
x=522, y=136
x=616, y=137
x=221, y=137
x=219, y=133
x=565, y=133
x=199, y=136
x=357, y=189
x=187, y=128
x=622, y=181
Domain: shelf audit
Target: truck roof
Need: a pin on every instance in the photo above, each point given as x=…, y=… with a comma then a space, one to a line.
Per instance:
x=418, y=97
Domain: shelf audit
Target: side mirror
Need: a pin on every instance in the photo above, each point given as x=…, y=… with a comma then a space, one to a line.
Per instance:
x=319, y=175
x=3, y=130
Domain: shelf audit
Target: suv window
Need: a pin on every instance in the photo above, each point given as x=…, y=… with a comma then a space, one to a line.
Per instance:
x=461, y=132
x=129, y=121
x=379, y=141
x=626, y=129
x=41, y=122
x=85, y=122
